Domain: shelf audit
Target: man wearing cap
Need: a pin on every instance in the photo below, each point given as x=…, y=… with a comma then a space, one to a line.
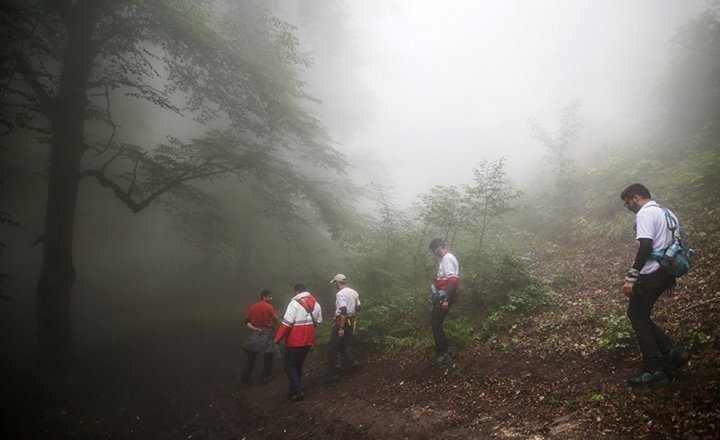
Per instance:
x=347, y=305
x=446, y=285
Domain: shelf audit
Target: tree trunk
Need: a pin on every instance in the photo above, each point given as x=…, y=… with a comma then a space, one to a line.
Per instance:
x=57, y=274
x=67, y=121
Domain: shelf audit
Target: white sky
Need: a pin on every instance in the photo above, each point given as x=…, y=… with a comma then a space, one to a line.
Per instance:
x=451, y=82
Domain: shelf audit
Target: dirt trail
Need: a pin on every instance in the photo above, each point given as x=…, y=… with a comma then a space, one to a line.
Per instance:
x=184, y=386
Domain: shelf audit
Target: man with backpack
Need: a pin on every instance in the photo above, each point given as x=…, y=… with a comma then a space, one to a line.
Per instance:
x=655, y=228
x=444, y=292
x=297, y=328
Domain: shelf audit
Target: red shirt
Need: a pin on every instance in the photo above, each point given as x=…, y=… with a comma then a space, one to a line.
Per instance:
x=262, y=314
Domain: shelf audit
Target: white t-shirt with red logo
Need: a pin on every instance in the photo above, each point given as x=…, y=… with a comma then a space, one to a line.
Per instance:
x=448, y=270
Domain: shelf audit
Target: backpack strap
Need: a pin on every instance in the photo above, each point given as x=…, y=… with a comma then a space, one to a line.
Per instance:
x=304, y=304
x=671, y=222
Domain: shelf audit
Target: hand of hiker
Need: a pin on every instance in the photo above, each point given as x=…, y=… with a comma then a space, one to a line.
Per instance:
x=444, y=305
x=628, y=289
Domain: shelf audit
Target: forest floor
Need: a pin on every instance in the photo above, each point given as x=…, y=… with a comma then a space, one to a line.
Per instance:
x=547, y=378
x=183, y=386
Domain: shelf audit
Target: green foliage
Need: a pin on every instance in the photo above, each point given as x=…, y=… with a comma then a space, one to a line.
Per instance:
x=504, y=280
x=443, y=211
x=560, y=201
x=614, y=334
x=460, y=332
x=392, y=319
x=509, y=291
x=488, y=198
x=597, y=398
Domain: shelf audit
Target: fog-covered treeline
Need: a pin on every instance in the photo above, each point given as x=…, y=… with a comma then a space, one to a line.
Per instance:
x=172, y=158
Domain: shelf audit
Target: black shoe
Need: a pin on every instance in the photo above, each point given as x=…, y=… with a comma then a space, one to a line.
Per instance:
x=244, y=385
x=650, y=378
x=676, y=358
x=296, y=397
x=443, y=359
x=266, y=379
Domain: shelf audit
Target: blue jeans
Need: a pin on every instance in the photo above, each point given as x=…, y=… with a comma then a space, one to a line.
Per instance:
x=294, y=359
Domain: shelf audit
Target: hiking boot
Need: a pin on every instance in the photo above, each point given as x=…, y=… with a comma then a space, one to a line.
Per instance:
x=266, y=379
x=675, y=359
x=650, y=378
x=355, y=366
x=244, y=385
x=443, y=359
x=296, y=397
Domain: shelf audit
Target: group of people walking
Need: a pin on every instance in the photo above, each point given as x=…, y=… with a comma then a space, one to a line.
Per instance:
x=304, y=314
x=644, y=284
x=297, y=329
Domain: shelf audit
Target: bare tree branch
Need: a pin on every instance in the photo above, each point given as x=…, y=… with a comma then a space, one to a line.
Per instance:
x=131, y=187
x=108, y=120
x=190, y=174
x=47, y=102
x=115, y=156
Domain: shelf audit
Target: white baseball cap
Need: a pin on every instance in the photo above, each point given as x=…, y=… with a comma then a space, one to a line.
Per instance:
x=340, y=278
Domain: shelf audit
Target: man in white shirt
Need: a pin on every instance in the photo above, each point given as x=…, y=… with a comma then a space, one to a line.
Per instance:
x=645, y=282
x=446, y=286
x=347, y=305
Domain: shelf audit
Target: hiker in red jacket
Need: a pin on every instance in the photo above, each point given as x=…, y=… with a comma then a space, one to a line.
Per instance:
x=303, y=314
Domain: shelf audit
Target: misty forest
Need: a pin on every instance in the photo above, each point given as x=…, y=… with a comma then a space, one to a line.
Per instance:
x=163, y=162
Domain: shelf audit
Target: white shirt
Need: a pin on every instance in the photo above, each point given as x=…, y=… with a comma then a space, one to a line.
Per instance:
x=296, y=315
x=650, y=222
x=348, y=298
x=448, y=268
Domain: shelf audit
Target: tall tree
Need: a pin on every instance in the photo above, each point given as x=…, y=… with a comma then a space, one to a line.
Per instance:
x=67, y=62
x=559, y=155
x=690, y=89
x=489, y=197
x=442, y=211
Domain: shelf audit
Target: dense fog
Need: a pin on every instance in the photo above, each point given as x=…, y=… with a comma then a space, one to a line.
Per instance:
x=412, y=93
x=431, y=88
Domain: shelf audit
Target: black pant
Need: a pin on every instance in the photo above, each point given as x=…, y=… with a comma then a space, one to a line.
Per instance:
x=250, y=361
x=340, y=345
x=436, y=321
x=294, y=359
x=653, y=341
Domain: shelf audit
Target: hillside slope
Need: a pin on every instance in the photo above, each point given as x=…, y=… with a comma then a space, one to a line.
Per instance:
x=549, y=377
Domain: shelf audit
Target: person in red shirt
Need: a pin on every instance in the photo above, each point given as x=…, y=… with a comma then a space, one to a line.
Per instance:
x=261, y=319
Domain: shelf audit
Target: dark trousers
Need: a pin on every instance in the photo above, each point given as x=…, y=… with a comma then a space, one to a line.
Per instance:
x=250, y=361
x=436, y=321
x=653, y=341
x=341, y=346
x=294, y=359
